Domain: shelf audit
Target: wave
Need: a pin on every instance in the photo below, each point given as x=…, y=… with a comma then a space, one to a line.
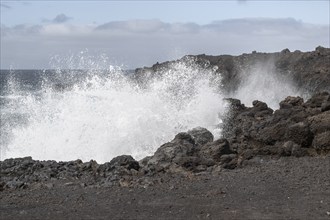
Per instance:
x=104, y=115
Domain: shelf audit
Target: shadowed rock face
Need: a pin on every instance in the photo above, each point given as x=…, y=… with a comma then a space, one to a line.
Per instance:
x=297, y=129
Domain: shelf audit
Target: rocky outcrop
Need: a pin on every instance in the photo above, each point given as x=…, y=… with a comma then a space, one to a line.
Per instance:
x=193, y=151
x=309, y=71
x=23, y=172
x=297, y=129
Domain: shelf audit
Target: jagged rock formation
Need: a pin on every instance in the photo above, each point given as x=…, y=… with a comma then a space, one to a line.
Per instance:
x=297, y=129
x=310, y=71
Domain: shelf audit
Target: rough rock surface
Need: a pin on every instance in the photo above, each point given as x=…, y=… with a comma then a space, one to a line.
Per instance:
x=297, y=129
x=310, y=71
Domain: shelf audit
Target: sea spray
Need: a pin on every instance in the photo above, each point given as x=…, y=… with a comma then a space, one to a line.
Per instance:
x=89, y=109
x=263, y=82
x=105, y=113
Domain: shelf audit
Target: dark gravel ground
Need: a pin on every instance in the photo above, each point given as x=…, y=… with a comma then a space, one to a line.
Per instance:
x=264, y=188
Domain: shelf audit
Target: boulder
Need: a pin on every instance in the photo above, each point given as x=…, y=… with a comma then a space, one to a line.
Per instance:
x=181, y=146
x=216, y=149
x=201, y=135
x=125, y=161
x=260, y=109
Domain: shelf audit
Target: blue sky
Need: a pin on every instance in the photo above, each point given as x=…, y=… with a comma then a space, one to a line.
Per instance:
x=201, y=12
x=138, y=33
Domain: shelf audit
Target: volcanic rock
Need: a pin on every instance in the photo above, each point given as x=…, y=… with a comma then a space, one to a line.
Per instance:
x=309, y=71
x=322, y=141
x=297, y=129
x=201, y=135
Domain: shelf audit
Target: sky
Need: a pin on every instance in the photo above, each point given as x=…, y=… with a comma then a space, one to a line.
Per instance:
x=52, y=34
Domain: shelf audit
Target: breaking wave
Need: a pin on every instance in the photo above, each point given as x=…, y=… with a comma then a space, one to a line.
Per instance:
x=98, y=114
x=88, y=109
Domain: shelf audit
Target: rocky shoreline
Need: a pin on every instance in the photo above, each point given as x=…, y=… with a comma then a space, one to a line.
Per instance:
x=268, y=164
x=296, y=129
x=308, y=71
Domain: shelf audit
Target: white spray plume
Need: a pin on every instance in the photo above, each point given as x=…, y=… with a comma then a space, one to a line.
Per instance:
x=262, y=82
x=104, y=116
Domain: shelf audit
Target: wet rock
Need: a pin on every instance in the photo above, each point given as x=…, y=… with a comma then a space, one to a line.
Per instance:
x=235, y=104
x=201, y=135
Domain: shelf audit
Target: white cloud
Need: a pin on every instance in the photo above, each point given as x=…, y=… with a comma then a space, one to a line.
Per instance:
x=139, y=26
x=144, y=42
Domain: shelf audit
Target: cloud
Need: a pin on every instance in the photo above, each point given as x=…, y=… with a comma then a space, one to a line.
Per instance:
x=144, y=42
x=148, y=26
x=142, y=26
x=241, y=1
x=2, y=5
x=257, y=25
x=61, y=18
